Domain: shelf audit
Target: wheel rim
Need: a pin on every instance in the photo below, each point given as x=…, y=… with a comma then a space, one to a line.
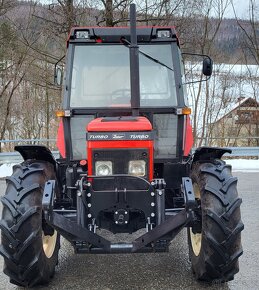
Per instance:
x=196, y=238
x=49, y=243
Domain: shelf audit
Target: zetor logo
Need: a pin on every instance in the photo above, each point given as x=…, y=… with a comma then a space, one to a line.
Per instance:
x=99, y=136
x=134, y=136
x=118, y=136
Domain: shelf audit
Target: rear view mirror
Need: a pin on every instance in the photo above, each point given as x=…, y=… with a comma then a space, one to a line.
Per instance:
x=207, y=66
x=58, y=76
x=201, y=61
x=58, y=73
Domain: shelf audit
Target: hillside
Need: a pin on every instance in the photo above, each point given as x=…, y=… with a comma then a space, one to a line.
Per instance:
x=226, y=47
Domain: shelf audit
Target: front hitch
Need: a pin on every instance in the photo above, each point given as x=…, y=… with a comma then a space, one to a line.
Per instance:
x=89, y=241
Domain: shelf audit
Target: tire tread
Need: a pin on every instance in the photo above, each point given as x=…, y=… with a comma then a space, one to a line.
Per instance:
x=21, y=225
x=221, y=225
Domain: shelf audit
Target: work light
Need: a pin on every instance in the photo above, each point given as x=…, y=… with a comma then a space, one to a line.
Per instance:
x=137, y=167
x=103, y=168
x=163, y=33
x=82, y=34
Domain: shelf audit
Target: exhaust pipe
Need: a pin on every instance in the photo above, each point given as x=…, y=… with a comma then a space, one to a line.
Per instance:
x=134, y=63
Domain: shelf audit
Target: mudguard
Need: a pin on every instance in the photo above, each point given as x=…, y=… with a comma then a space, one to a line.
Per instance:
x=37, y=152
x=209, y=153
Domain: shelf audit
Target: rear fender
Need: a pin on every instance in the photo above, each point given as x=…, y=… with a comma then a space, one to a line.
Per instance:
x=203, y=154
x=36, y=152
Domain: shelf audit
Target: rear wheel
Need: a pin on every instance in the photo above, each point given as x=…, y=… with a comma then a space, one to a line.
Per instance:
x=29, y=246
x=215, y=244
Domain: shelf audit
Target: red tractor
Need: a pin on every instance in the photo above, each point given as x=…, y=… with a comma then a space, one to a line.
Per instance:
x=125, y=140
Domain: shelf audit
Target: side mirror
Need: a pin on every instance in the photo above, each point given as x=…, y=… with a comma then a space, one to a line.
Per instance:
x=207, y=66
x=58, y=76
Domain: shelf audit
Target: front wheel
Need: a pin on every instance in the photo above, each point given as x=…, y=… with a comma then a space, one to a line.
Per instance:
x=29, y=246
x=215, y=244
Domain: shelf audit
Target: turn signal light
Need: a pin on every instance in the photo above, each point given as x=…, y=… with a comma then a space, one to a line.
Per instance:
x=184, y=111
x=63, y=113
x=60, y=113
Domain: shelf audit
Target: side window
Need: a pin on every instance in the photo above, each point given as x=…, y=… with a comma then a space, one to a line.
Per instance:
x=165, y=127
x=78, y=136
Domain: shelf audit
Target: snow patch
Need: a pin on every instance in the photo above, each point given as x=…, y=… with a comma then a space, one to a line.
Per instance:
x=244, y=165
x=6, y=169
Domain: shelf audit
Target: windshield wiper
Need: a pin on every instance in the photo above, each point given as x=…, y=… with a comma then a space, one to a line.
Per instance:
x=127, y=43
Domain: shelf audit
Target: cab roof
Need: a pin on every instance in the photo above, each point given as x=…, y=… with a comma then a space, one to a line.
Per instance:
x=115, y=34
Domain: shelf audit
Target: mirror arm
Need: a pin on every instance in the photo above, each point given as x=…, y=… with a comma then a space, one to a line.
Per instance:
x=203, y=80
x=59, y=61
x=202, y=55
x=198, y=54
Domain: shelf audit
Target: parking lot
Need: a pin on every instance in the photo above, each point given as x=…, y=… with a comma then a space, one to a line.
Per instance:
x=157, y=271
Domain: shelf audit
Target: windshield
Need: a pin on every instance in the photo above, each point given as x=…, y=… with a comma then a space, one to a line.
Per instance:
x=101, y=76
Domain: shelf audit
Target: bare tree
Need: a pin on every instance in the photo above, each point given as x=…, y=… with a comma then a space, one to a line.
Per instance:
x=250, y=30
x=203, y=36
x=26, y=70
x=6, y=5
x=12, y=74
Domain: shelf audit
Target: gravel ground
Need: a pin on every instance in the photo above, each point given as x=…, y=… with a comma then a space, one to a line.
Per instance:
x=157, y=271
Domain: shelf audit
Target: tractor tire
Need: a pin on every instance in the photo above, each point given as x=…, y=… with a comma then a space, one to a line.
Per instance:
x=215, y=245
x=29, y=246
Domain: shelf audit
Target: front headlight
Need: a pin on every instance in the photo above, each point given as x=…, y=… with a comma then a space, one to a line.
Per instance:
x=103, y=168
x=137, y=167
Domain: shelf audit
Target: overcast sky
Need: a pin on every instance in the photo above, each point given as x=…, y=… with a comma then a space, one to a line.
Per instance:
x=241, y=8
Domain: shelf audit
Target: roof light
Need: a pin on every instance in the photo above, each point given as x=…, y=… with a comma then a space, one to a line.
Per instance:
x=82, y=34
x=163, y=33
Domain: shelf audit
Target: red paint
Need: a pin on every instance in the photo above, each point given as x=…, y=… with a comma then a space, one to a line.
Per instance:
x=188, y=141
x=61, y=139
x=140, y=124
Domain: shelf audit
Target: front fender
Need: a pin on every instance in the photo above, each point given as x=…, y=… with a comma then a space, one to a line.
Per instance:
x=37, y=152
x=209, y=153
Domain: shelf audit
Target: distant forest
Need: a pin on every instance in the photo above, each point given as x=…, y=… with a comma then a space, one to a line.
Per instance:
x=228, y=42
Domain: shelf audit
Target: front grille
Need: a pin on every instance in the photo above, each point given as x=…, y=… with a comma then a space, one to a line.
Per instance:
x=120, y=158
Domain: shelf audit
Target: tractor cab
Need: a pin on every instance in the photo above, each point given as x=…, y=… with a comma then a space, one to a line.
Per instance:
x=98, y=84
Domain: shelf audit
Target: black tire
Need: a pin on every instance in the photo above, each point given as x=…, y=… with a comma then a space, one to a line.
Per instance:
x=215, y=246
x=23, y=228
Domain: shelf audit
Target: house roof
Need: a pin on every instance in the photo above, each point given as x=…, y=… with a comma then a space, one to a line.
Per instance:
x=246, y=102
